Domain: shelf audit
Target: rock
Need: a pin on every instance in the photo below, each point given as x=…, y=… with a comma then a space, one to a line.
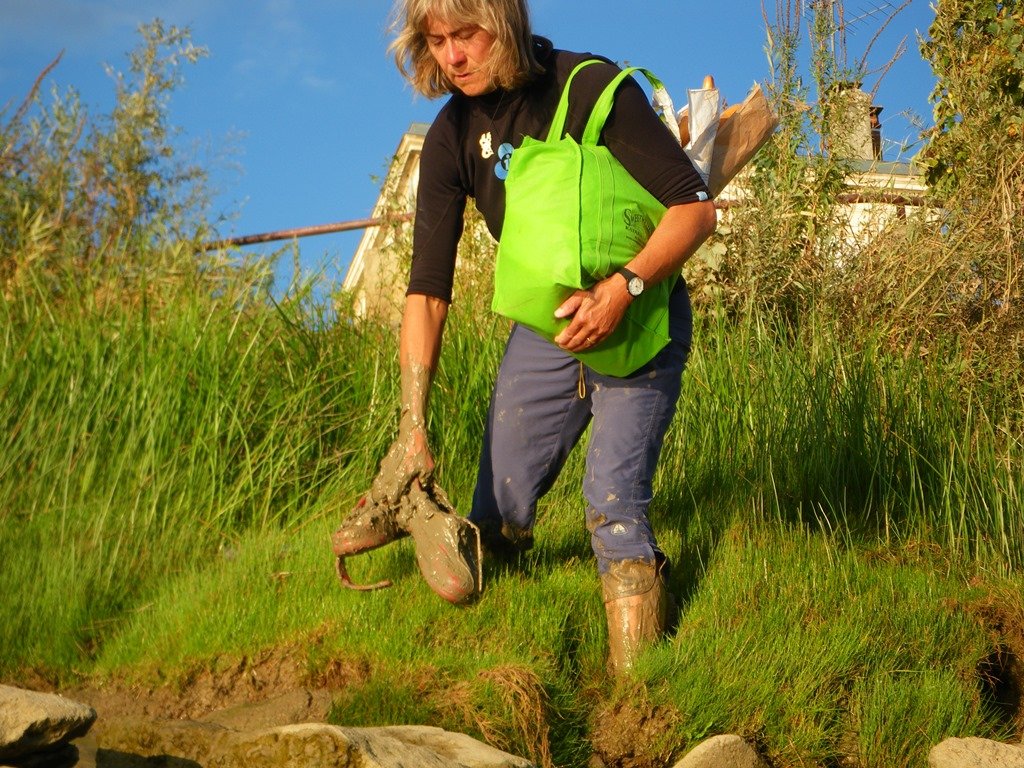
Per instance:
x=291, y=746
x=37, y=722
x=457, y=748
x=184, y=739
x=311, y=745
x=975, y=753
x=726, y=751
x=301, y=706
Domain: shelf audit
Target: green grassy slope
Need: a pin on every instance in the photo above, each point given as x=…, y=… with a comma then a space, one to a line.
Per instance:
x=840, y=523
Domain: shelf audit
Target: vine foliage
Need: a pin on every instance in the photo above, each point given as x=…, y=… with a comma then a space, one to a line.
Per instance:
x=974, y=159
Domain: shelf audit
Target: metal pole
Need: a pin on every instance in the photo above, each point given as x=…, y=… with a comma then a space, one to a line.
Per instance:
x=348, y=226
x=319, y=229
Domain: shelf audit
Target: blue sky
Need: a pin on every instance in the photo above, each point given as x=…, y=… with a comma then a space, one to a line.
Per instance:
x=298, y=108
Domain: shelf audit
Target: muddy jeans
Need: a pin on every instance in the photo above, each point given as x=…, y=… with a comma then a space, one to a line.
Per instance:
x=537, y=416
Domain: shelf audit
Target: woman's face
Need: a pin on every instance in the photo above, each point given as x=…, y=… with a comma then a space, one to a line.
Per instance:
x=462, y=51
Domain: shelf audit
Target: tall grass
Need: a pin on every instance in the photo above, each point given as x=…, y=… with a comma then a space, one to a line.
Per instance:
x=173, y=464
x=141, y=437
x=891, y=445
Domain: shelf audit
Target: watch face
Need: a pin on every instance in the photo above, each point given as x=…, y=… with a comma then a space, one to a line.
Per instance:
x=635, y=286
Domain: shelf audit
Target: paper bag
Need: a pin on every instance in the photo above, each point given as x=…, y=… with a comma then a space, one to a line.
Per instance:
x=703, y=114
x=742, y=131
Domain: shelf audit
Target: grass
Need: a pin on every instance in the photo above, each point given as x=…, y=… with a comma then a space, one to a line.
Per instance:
x=137, y=444
x=170, y=472
x=839, y=650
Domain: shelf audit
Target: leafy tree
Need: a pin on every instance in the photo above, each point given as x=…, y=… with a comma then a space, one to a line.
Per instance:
x=976, y=50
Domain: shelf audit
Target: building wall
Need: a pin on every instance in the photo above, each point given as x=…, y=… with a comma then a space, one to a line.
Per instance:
x=378, y=273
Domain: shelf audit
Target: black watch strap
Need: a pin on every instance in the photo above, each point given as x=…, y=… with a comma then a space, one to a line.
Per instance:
x=634, y=283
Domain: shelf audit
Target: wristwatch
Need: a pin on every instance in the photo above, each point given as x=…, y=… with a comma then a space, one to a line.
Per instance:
x=634, y=283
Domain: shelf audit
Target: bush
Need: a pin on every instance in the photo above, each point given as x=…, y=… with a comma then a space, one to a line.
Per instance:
x=101, y=200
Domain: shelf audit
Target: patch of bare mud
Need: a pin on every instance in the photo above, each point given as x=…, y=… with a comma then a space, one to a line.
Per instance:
x=632, y=733
x=1001, y=672
x=279, y=679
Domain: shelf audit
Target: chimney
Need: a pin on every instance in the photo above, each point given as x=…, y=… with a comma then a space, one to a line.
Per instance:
x=876, y=132
x=855, y=132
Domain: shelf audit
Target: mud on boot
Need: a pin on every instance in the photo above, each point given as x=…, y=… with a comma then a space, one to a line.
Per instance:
x=639, y=609
x=448, y=549
x=503, y=542
x=369, y=525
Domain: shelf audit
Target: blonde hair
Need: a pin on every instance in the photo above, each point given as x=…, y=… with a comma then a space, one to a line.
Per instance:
x=511, y=62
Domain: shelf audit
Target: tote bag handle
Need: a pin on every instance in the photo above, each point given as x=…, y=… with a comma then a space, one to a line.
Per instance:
x=602, y=107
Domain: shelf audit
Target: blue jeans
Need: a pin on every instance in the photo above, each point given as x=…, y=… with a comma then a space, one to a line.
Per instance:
x=537, y=415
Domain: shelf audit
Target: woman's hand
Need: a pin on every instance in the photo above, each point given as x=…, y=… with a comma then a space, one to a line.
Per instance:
x=408, y=459
x=598, y=311
x=595, y=313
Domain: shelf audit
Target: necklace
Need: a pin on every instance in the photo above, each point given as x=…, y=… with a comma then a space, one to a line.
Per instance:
x=487, y=137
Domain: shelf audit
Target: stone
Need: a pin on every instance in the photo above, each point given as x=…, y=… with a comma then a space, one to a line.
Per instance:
x=727, y=751
x=308, y=745
x=458, y=748
x=37, y=722
x=300, y=706
x=975, y=753
x=181, y=739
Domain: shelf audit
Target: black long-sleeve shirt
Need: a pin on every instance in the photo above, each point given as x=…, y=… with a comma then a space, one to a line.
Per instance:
x=466, y=153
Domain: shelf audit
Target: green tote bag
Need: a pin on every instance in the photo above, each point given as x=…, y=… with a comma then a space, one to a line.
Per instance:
x=573, y=216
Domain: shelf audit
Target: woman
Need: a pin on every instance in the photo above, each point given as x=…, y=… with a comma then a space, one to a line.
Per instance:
x=504, y=84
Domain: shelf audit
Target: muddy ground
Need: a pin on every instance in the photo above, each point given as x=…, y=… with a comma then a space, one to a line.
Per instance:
x=273, y=676
x=278, y=688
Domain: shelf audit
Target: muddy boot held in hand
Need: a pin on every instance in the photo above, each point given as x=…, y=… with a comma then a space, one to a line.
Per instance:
x=404, y=500
x=374, y=521
x=638, y=607
x=447, y=545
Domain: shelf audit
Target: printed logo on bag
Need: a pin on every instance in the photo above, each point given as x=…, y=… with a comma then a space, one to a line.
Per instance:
x=638, y=226
x=486, y=151
x=504, y=158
